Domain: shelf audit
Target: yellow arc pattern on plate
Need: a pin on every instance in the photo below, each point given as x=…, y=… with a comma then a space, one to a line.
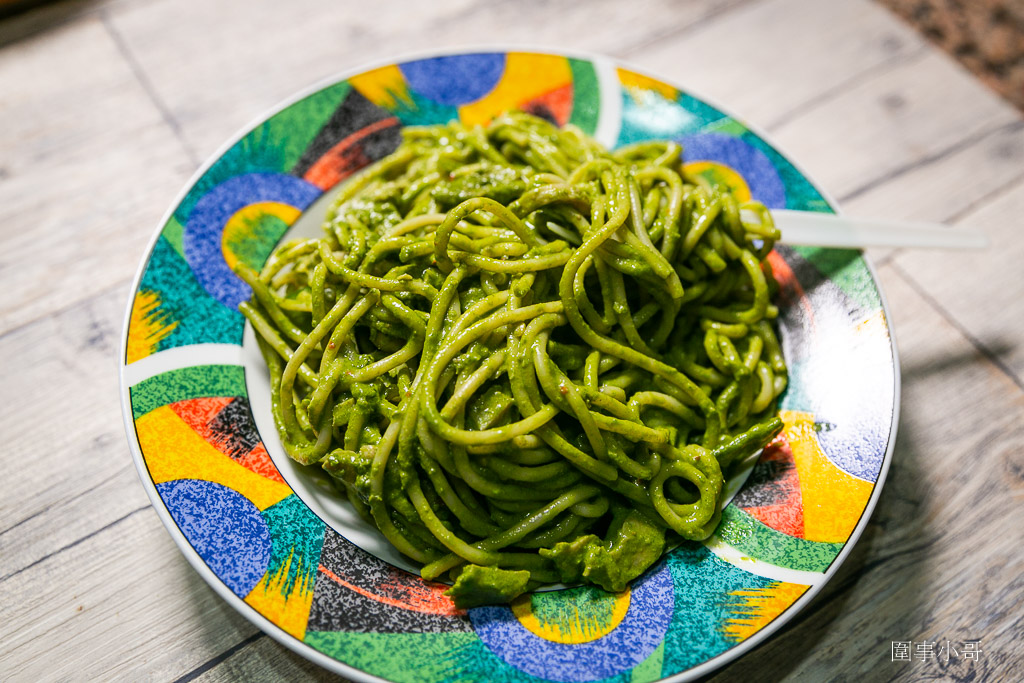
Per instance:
x=148, y=326
x=244, y=223
x=718, y=173
x=290, y=610
x=174, y=451
x=575, y=626
x=384, y=87
x=757, y=607
x=832, y=499
x=630, y=80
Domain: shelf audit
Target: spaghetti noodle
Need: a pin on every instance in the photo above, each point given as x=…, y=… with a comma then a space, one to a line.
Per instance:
x=524, y=358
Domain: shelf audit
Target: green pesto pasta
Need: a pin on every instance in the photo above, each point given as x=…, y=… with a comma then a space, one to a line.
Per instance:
x=524, y=358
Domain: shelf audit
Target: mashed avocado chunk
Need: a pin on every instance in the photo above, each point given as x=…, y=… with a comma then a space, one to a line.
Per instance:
x=478, y=585
x=633, y=543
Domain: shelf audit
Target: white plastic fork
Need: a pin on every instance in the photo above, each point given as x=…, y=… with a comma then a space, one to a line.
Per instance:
x=812, y=229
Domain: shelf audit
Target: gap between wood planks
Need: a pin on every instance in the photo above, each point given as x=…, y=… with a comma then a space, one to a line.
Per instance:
x=71, y=304
x=993, y=195
x=222, y=657
x=679, y=31
x=65, y=501
x=147, y=86
x=978, y=345
x=938, y=155
x=76, y=542
x=837, y=89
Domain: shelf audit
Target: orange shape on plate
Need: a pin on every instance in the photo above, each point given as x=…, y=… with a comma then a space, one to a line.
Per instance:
x=199, y=414
x=174, y=451
x=785, y=513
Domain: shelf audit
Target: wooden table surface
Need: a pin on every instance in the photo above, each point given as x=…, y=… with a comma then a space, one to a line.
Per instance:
x=108, y=107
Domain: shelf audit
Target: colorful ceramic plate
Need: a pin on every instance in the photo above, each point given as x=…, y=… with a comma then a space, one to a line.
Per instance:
x=287, y=553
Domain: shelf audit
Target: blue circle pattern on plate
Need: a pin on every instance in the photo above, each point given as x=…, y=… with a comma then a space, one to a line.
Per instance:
x=455, y=80
x=203, y=232
x=751, y=163
x=638, y=634
x=225, y=529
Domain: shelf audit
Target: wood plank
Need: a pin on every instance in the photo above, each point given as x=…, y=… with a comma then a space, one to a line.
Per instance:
x=213, y=91
x=122, y=605
x=72, y=513
x=765, y=60
x=941, y=191
x=943, y=188
x=879, y=128
x=265, y=661
x=78, y=537
x=982, y=291
x=940, y=558
x=48, y=16
x=88, y=168
x=68, y=468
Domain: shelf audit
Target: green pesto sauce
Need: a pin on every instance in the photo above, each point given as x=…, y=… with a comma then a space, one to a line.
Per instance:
x=493, y=405
x=500, y=183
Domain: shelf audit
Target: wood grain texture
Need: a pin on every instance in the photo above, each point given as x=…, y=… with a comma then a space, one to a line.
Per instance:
x=50, y=15
x=85, y=154
x=102, y=604
x=941, y=191
x=207, y=79
x=983, y=292
x=936, y=189
x=881, y=127
x=757, y=58
x=74, y=476
x=262, y=659
x=93, y=156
